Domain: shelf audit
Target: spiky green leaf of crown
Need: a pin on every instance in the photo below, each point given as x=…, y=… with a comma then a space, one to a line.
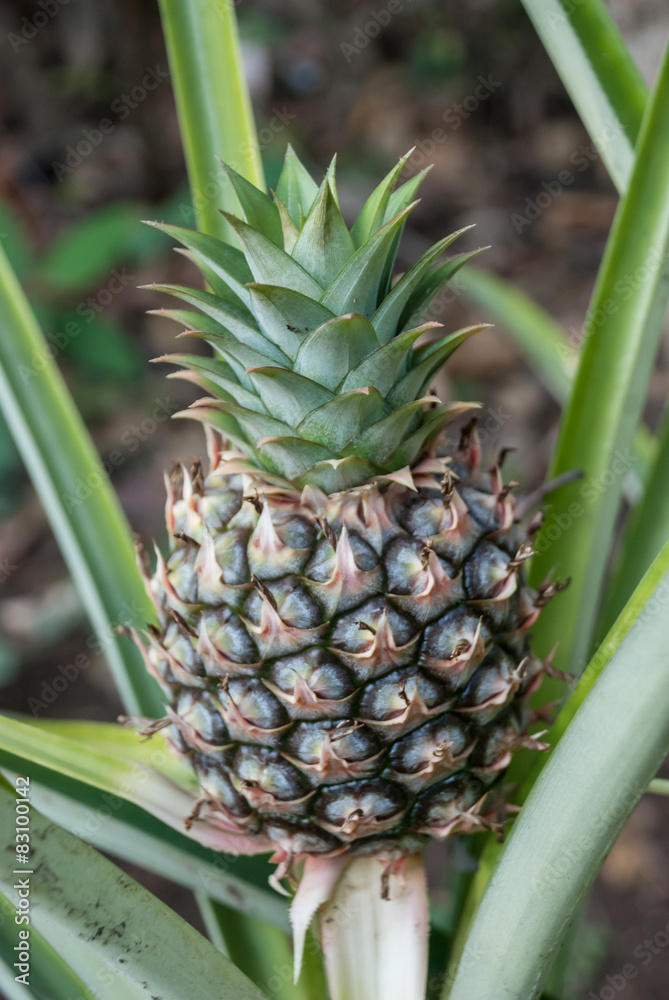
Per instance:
x=316, y=375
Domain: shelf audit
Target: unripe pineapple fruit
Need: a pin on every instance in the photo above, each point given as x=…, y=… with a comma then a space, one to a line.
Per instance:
x=343, y=615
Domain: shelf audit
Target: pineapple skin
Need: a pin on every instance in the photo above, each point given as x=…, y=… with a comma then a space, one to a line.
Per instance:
x=347, y=672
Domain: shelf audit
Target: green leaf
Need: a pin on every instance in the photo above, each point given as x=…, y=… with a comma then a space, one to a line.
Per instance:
x=193, y=321
x=127, y=775
x=379, y=441
x=382, y=368
x=387, y=316
x=259, y=211
x=324, y=245
x=226, y=261
x=406, y=193
x=270, y=265
x=555, y=847
x=237, y=321
x=373, y=211
x=214, y=283
x=213, y=368
x=233, y=349
x=397, y=202
x=257, y=425
x=599, y=74
x=15, y=241
x=417, y=380
x=356, y=287
x=213, y=104
x=105, y=817
x=288, y=393
x=290, y=230
x=262, y=952
x=119, y=934
x=87, y=520
x=596, y=434
x=541, y=340
x=285, y=316
x=334, y=423
x=645, y=534
x=429, y=287
x=115, y=741
x=296, y=188
x=339, y=474
x=90, y=249
x=50, y=977
x=434, y=423
x=334, y=348
x=215, y=416
x=291, y=456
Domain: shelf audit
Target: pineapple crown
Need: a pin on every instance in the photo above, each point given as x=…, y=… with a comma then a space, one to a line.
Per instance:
x=316, y=376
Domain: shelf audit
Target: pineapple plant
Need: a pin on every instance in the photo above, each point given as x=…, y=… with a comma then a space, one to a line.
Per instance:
x=343, y=639
x=343, y=615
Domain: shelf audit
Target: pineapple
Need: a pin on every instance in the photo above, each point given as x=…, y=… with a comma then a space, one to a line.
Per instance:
x=343, y=615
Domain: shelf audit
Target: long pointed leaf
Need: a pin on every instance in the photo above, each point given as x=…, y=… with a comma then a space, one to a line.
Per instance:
x=120, y=934
x=213, y=103
x=259, y=211
x=334, y=423
x=373, y=212
x=645, y=535
x=296, y=188
x=577, y=806
x=386, y=317
x=285, y=316
x=324, y=244
x=98, y=807
x=356, y=287
x=621, y=337
x=225, y=261
x=599, y=74
x=330, y=351
x=270, y=265
x=84, y=513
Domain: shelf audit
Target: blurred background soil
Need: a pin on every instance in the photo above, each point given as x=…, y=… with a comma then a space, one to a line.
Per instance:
x=471, y=87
